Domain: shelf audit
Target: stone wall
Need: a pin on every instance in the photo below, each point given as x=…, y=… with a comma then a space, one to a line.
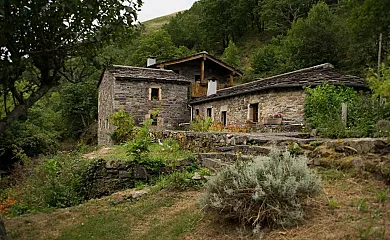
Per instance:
x=133, y=96
x=106, y=177
x=289, y=102
x=105, y=108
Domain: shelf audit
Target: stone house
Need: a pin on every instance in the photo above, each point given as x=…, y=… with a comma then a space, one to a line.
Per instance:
x=256, y=102
x=203, y=85
x=142, y=92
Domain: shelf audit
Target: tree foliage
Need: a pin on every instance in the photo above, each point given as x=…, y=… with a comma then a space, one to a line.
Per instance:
x=231, y=54
x=40, y=37
x=158, y=44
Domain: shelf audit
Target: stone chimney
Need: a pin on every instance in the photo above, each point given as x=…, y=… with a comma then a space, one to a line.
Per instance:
x=212, y=86
x=151, y=61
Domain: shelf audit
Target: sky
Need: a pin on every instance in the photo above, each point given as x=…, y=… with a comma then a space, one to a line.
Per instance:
x=157, y=8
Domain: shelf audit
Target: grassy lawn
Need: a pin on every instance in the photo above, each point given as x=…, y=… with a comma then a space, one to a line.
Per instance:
x=350, y=208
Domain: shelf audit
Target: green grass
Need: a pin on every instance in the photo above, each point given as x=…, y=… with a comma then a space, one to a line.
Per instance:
x=119, y=221
x=103, y=226
x=184, y=221
x=170, y=150
x=157, y=23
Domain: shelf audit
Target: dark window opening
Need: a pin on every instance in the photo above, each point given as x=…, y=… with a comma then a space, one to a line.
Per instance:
x=224, y=118
x=154, y=118
x=254, y=111
x=196, y=112
x=197, y=78
x=155, y=94
x=209, y=112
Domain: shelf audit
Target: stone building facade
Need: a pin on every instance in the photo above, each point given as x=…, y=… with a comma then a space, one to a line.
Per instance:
x=165, y=92
x=239, y=109
x=258, y=101
x=143, y=93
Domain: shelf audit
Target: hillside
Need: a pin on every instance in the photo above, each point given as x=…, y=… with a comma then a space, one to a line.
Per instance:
x=157, y=23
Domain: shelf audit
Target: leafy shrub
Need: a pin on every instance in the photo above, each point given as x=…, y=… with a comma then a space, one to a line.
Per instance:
x=139, y=147
x=266, y=192
x=201, y=124
x=383, y=128
x=124, y=124
x=53, y=183
x=179, y=180
x=323, y=111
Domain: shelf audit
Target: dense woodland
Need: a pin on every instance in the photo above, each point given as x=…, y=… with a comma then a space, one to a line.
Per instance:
x=49, y=97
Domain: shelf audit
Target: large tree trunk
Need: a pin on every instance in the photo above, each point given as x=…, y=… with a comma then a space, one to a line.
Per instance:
x=21, y=109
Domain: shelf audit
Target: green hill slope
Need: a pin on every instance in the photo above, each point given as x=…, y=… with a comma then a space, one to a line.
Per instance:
x=157, y=23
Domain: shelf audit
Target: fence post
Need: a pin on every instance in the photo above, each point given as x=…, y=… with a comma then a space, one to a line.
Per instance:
x=344, y=111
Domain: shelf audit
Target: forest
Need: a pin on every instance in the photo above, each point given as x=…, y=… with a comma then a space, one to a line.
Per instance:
x=48, y=87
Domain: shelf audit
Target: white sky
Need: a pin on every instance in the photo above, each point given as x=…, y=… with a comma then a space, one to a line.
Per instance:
x=157, y=8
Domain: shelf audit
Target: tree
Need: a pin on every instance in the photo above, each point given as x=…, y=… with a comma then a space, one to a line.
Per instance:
x=40, y=37
x=380, y=85
x=314, y=40
x=158, y=44
x=231, y=54
x=368, y=19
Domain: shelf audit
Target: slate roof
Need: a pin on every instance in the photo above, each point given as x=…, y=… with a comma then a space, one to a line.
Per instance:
x=312, y=76
x=138, y=73
x=197, y=56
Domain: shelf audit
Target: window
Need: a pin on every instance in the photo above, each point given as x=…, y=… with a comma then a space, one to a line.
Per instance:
x=224, y=117
x=197, y=78
x=196, y=112
x=209, y=112
x=254, y=112
x=155, y=94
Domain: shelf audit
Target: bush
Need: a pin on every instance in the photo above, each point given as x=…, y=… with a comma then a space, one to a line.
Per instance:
x=201, y=124
x=323, y=111
x=54, y=183
x=266, y=192
x=179, y=180
x=124, y=124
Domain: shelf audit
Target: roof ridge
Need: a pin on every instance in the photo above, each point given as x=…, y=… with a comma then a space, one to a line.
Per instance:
x=324, y=66
x=143, y=68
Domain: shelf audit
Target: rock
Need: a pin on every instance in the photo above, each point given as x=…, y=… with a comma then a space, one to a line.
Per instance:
x=3, y=235
x=357, y=163
x=124, y=174
x=112, y=164
x=140, y=173
x=129, y=194
x=140, y=193
x=197, y=176
x=313, y=133
x=350, y=150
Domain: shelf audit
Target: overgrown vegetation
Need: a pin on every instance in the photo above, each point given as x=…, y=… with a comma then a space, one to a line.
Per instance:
x=201, y=124
x=68, y=179
x=267, y=192
x=323, y=111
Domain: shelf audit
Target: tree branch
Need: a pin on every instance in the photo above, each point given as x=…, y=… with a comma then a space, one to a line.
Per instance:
x=21, y=109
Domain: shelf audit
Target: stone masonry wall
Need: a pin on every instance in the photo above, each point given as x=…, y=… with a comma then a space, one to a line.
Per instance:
x=133, y=96
x=105, y=108
x=289, y=102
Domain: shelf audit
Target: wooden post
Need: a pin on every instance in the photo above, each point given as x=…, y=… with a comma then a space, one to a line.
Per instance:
x=231, y=80
x=379, y=55
x=344, y=111
x=202, y=71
